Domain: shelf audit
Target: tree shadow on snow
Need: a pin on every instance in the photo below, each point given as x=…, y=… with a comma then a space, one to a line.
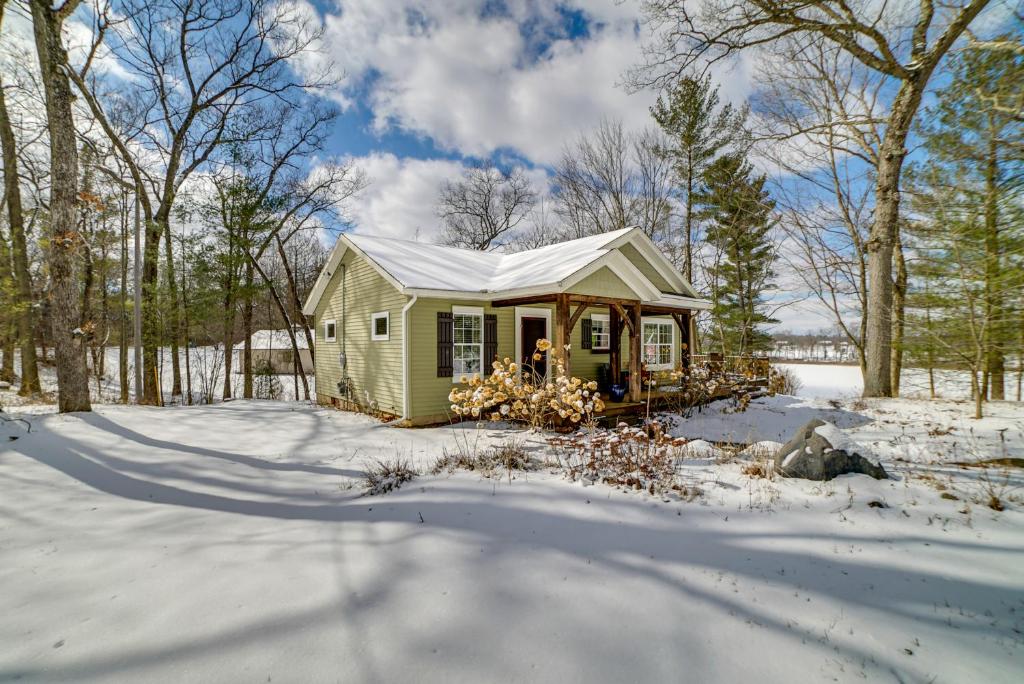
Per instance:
x=671, y=555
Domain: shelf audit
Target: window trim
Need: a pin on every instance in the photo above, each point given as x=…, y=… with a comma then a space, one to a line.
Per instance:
x=607, y=320
x=334, y=337
x=374, y=317
x=671, y=345
x=477, y=311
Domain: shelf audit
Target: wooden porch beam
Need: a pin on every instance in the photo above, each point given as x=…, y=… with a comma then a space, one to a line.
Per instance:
x=664, y=310
x=575, y=319
x=531, y=299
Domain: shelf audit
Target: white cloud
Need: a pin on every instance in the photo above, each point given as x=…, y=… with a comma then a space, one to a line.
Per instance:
x=401, y=198
x=475, y=84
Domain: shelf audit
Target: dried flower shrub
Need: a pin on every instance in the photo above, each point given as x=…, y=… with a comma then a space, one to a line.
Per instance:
x=639, y=458
x=522, y=395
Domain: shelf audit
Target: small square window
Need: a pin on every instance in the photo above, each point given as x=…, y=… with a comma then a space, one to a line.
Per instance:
x=380, y=326
x=330, y=330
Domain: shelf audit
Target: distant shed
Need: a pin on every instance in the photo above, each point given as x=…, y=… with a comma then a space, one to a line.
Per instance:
x=274, y=347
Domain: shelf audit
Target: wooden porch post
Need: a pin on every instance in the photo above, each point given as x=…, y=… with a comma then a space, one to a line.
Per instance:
x=561, y=331
x=635, y=384
x=683, y=322
x=615, y=345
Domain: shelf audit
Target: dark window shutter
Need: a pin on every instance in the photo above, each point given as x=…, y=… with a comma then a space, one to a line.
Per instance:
x=587, y=341
x=490, y=341
x=445, y=339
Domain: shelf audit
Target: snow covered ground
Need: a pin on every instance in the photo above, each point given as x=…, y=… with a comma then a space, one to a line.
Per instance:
x=206, y=366
x=233, y=543
x=832, y=381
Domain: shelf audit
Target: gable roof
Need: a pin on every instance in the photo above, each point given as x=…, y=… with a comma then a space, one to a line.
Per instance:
x=437, y=270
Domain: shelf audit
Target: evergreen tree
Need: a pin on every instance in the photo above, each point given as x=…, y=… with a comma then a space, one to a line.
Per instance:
x=740, y=221
x=699, y=131
x=969, y=189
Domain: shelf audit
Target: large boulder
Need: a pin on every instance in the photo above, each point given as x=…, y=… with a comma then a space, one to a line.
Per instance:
x=820, y=451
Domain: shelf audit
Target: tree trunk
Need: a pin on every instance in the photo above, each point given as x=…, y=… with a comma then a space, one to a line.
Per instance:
x=22, y=295
x=173, y=311
x=7, y=345
x=64, y=241
x=899, y=298
x=996, y=337
x=293, y=289
x=247, y=309
x=122, y=347
x=229, y=338
x=150, y=312
x=878, y=339
x=281, y=309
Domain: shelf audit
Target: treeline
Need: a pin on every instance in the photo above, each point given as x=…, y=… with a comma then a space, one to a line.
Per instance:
x=179, y=159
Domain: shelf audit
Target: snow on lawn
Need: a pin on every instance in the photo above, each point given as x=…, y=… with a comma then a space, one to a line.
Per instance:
x=232, y=543
x=833, y=381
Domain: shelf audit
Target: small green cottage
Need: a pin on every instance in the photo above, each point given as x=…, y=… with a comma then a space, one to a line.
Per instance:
x=399, y=322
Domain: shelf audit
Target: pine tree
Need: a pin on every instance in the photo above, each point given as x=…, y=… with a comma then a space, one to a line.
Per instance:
x=969, y=189
x=699, y=131
x=740, y=222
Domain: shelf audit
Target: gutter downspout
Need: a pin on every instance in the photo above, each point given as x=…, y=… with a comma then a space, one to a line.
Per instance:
x=406, y=407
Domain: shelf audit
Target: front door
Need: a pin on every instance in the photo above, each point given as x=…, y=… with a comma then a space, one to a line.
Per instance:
x=530, y=330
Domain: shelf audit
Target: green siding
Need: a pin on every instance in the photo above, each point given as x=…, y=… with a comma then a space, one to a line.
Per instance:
x=374, y=367
x=645, y=267
x=604, y=283
x=430, y=393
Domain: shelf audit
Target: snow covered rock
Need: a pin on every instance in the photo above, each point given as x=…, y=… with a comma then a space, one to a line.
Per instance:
x=820, y=451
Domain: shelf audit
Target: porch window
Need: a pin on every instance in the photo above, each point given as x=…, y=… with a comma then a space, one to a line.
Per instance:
x=658, y=352
x=468, y=341
x=330, y=330
x=600, y=332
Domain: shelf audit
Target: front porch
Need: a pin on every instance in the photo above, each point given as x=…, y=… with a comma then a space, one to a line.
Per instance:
x=623, y=315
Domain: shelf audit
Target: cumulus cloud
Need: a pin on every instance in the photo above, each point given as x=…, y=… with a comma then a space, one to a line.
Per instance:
x=477, y=82
x=401, y=198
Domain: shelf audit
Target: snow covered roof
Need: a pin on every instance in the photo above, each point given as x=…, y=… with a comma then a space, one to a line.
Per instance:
x=437, y=270
x=274, y=339
x=436, y=267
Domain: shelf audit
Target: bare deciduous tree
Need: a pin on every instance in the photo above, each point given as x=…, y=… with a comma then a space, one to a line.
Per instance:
x=903, y=43
x=64, y=243
x=612, y=179
x=199, y=69
x=482, y=209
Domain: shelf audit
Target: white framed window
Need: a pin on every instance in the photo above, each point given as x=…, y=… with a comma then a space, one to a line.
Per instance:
x=380, y=326
x=658, y=340
x=600, y=332
x=330, y=330
x=467, y=341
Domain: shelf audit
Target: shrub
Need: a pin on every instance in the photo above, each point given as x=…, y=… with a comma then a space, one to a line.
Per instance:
x=640, y=458
x=512, y=393
x=783, y=381
x=702, y=382
x=383, y=476
x=507, y=457
x=265, y=384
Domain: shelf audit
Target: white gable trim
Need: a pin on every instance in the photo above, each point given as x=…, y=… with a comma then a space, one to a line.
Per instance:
x=648, y=250
x=324, y=279
x=622, y=267
x=333, y=261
